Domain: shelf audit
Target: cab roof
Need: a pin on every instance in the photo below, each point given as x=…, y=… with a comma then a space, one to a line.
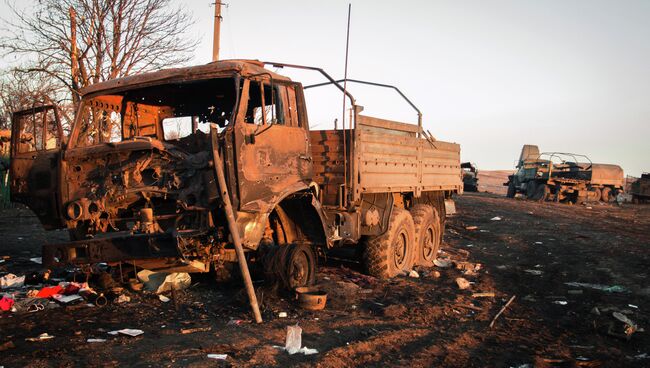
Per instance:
x=217, y=69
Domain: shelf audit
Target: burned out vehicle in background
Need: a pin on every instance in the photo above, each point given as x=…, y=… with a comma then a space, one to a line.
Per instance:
x=470, y=177
x=564, y=177
x=170, y=170
x=640, y=189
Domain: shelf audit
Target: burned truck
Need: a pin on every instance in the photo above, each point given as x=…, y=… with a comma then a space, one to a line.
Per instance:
x=640, y=189
x=171, y=170
x=470, y=177
x=563, y=177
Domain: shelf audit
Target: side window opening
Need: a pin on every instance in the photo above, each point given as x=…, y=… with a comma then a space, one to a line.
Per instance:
x=38, y=131
x=264, y=105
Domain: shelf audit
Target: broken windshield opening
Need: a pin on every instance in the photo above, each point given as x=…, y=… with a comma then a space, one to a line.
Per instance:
x=166, y=112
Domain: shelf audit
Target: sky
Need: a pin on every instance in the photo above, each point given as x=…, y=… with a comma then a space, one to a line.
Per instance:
x=567, y=75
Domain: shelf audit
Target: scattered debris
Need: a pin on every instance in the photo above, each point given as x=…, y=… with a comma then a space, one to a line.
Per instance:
x=468, y=268
x=66, y=299
x=282, y=315
x=495, y=218
x=502, y=310
x=561, y=302
x=37, y=260
x=471, y=227
x=633, y=306
x=122, y=299
x=442, y=263
x=538, y=243
x=187, y=331
x=6, y=303
x=534, y=272
x=11, y=281
x=435, y=274
x=218, y=356
x=42, y=337
x=462, y=283
x=414, y=274
x=610, y=289
x=127, y=331
x=163, y=298
x=95, y=340
x=483, y=295
x=293, y=341
x=630, y=326
x=160, y=282
x=49, y=291
x=7, y=345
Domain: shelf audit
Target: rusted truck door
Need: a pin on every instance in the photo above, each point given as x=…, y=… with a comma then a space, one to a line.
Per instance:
x=36, y=136
x=274, y=156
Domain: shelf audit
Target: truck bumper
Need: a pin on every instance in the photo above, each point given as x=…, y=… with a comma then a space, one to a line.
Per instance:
x=113, y=249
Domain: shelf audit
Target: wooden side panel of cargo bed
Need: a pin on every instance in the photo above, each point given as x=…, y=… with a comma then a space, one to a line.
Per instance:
x=390, y=158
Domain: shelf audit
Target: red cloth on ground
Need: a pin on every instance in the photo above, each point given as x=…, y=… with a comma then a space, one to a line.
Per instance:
x=6, y=303
x=48, y=291
x=71, y=289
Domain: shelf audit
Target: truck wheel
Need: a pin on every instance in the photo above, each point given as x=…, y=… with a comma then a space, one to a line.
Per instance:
x=542, y=192
x=427, y=234
x=300, y=266
x=511, y=190
x=531, y=190
x=389, y=254
x=606, y=194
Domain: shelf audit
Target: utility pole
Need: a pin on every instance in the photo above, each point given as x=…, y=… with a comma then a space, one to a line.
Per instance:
x=217, y=30
x=74, y=56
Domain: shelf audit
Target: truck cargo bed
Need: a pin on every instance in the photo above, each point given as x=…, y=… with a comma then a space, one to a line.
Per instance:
x=387, y=156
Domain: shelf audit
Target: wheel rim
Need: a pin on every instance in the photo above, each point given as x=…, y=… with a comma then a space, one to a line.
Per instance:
x=399, y=249
x=299, y=270
x=428, y=247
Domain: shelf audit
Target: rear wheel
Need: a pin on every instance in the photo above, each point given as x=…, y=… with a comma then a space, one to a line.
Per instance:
x=389, y=254
x=595, y=194
x=606, y=194
x=427, y=233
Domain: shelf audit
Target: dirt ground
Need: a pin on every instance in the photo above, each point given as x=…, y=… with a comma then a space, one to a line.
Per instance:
x=531, y=253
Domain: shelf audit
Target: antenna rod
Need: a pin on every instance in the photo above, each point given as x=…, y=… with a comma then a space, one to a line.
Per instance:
x=217, y=30
x=345, y=87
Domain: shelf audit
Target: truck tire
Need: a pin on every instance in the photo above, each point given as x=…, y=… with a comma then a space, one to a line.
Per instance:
x=531, y=190
x=511, y=190
x=389, y=254
x=606, y=194
x=542, y=191
x=300, y=266
x=427, y=234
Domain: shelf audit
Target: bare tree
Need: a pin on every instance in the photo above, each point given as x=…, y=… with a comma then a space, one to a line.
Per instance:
x=21, y=90
x=81, y=42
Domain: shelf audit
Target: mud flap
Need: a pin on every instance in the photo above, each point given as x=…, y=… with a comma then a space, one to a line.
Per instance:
x=450, y=207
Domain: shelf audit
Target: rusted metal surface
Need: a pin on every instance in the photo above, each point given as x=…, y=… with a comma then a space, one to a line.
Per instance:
x=564, y=176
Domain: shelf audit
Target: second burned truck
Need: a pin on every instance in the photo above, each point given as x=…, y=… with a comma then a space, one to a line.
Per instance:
x=137, y=180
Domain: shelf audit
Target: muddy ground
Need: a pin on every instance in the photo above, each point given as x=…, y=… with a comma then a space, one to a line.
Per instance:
x=414, y=322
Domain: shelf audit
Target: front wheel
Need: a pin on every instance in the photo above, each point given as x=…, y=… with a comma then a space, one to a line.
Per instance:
x=300, y=266
x=389, y=254
x=511, y=190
